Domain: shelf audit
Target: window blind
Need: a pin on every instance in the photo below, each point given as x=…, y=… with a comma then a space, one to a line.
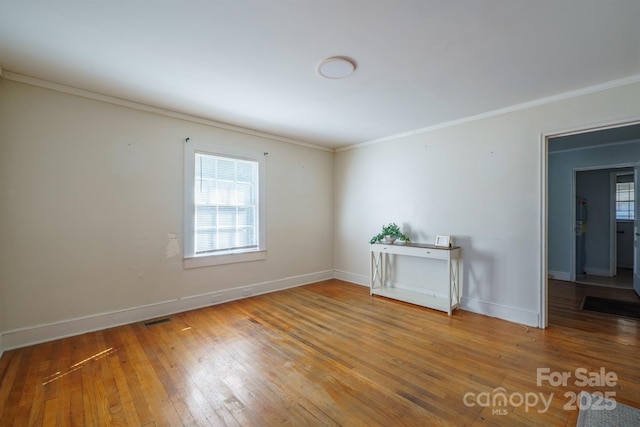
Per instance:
x=625, y=200
x=226, y=202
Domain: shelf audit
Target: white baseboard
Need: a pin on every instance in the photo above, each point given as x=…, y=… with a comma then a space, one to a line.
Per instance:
x=560, y=275
x=47, y=332
x=22, y=337
x=511, y=314
x=604, y=272
x=358, y=279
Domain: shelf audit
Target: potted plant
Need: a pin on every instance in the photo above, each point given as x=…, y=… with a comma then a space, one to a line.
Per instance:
x=389, y=233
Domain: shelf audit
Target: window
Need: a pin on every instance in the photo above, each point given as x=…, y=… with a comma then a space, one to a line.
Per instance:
x=224, y=205
x=625, y=200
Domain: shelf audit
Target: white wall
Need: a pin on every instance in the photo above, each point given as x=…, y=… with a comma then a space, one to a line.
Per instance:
x=91, y=202
x=480, y=182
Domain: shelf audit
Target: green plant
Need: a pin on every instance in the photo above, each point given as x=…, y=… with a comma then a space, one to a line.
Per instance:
x=391, y=230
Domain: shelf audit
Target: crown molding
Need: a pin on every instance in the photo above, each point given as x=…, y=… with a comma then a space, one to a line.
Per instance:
x=20, y=78
x=517, y=107
x=208, y=122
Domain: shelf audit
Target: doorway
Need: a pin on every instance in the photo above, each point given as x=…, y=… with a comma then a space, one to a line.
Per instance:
x=612, y=148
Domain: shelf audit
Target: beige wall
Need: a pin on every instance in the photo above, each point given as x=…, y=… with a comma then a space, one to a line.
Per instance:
x=91, y=198
x=479, y=182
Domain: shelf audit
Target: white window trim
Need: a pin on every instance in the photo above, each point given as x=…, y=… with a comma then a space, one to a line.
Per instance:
x=190, y=260
x=632, y=192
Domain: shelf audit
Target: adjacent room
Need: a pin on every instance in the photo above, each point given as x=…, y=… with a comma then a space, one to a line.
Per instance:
x=189, y=190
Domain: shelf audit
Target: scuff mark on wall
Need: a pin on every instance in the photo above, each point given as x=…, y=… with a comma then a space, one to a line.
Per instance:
x=137, y=271
x=173, y=247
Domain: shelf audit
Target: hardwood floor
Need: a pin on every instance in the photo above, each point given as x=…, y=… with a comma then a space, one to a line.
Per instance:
x=322, y=354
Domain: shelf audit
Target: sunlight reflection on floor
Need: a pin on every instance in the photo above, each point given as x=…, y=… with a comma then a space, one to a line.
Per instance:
x=78, y=365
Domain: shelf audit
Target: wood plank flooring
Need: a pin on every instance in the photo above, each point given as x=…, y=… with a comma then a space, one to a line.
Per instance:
x=325, y=354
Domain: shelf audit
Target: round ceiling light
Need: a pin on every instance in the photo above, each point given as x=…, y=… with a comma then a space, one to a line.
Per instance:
x=336, y=67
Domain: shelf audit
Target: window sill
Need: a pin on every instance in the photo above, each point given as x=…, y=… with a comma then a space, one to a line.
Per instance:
x=209, y=260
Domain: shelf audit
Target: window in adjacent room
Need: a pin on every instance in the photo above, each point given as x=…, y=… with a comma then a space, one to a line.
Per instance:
x=625, y=198
x=224, y=205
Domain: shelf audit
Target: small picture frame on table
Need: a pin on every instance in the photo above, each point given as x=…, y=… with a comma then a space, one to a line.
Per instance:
x=444, y=241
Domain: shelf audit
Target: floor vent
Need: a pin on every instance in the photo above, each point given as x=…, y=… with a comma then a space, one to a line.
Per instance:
x=156, y=321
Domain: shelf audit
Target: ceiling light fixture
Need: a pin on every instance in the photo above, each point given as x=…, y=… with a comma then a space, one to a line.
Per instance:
x=336, y=67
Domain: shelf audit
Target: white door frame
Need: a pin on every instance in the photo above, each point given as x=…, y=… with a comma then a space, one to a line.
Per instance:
x=543, y=321
x=636, y=221
x=614, y=223
x=613, y=226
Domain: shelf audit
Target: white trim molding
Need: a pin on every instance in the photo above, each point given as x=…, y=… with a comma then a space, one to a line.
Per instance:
x=258, y=162
x=560, y=275
x=151, y=109
x=511, y=314
x=544, y=155
x=358, y=279
x=604, y=272
x=22, y=337
x=523, y=106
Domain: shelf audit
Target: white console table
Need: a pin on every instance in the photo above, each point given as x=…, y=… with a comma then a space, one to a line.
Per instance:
x=417, y=295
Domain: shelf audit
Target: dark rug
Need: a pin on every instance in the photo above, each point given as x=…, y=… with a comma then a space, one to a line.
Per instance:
x=612, y=306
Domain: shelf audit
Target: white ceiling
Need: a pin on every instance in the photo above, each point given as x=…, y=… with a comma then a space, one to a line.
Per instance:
x=252, y=63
